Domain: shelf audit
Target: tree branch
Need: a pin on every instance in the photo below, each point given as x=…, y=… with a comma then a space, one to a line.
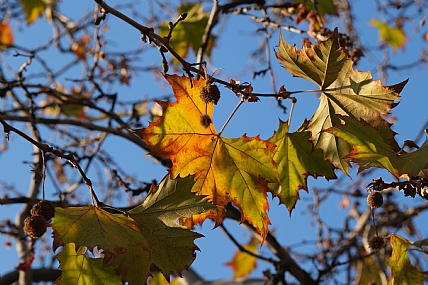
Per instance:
x=286, y=262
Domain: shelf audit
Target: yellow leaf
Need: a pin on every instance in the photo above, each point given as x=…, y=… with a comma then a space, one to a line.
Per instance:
x=395, y=37
x=402, y=271
x=33, y=9
x=159, y=279
x=243, y=263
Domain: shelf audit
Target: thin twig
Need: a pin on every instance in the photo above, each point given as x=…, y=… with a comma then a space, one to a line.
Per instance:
x=44, y=148
x=212, y=21
x=243, y=249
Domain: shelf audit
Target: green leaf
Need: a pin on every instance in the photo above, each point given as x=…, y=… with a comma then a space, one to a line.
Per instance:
x=368, y=271
x=172, y=200
x=78, y=268
x=148, y=235
x=371, y=150
x=395, y=37
x=189, y=32
x=323, y=6
x=402, y=271
x=296, y=159
x=158, y=216
x=33, y=9
x=111, y=232
x=344, y=91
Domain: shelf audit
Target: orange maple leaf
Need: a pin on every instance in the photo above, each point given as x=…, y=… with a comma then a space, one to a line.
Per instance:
x=226, y=170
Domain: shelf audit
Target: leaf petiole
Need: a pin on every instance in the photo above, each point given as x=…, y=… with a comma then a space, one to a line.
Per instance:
x=231, y=115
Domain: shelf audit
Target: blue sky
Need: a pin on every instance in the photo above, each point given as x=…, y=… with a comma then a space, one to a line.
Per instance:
x=230, y=59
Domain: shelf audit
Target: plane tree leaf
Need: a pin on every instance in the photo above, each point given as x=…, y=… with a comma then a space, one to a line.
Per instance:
x=118, y=236
x=344, y=91
x=235, y=170
x=395, y=37
x=107, y=230
x=402, y=270
x=296, y=159
x=243, y=263
x=188, y=34
x=368, y=271
x=33, y=9
x=78, y=268
x=146, y=234
x=158, y=216
x=371, y=150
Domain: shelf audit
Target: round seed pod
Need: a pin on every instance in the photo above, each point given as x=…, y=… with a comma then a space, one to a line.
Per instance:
x=375, y=199
x=210, y=93
x=206, y=121
x=45, y=209
x=376, y=243
x=35, y=226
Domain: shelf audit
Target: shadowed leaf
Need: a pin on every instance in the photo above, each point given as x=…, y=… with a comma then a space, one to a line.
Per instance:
x=148, y=235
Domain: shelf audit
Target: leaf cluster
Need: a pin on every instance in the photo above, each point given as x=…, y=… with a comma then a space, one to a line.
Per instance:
x=130, y=241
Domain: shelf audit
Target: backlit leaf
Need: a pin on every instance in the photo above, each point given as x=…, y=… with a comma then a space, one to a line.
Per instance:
x=216, y=215
x=371, y=150
x=33, y=9
x=6, y=35
x=344, y=91
x=227, y=170
x=369, y=272
x=296, y=160
x=243, y=263
x=395, y=37
x=158, y=216
x=402, y=270
x=111, y=232
x=187, y=35
x=79, y=268
x=147, y=235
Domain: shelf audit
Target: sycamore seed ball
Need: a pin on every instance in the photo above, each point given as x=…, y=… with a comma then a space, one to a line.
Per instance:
x=376, y=243
x=210, y=94
x=375, y=200
x=35, y=226
x=45, y=209
x=206, y=121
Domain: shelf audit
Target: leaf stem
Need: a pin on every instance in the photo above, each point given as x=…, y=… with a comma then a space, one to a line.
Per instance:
x=231, y=115
x=293, y=102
